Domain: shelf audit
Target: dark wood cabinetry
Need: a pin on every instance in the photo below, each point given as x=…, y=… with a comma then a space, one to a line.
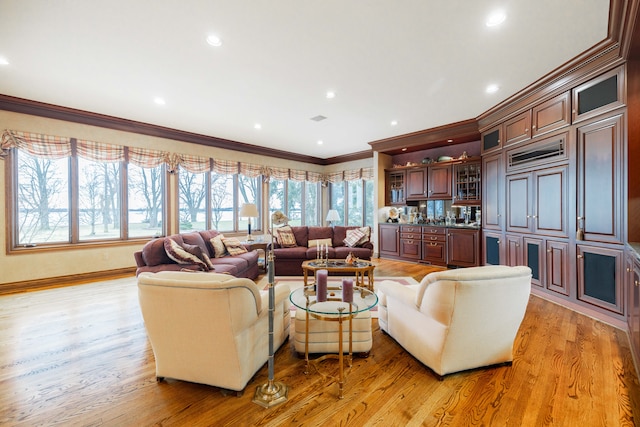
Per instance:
x=633, y=301
x=492, y=191
x=395, y=188
x=411, y=242
x=467, y=183
x=434, y=245
x=389, y=240
x=462, y=247
x=600, y=276
x=493, y=248
x=416, y=184
x=439, y=182
x=492, y=140
x=600, y=183
x=600, y=95
x=551, y=115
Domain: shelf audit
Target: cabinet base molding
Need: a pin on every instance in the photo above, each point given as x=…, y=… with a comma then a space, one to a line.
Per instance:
x=611, y=320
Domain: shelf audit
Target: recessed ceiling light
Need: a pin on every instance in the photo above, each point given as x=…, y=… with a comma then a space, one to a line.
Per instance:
x=496, y=18
x=320, y=142
x=214, y=40
x=492, y=88
x=331, y=94
x=394, y=122
x=257, y=126
x=4, y=61
x=158, y=100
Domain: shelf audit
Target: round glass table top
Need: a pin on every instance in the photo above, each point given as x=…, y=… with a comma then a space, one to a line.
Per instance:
x=305, y=299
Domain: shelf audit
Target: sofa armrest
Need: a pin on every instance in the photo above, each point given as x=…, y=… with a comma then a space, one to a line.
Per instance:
x=139, y=260
x=392, y=289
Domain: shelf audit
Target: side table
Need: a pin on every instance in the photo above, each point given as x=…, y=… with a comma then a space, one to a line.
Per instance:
x=257, y=245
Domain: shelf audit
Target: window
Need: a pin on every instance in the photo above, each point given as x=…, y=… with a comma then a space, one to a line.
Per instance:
x=354, y=202
x=224, y=193
x=298, y=200
x=68, y=191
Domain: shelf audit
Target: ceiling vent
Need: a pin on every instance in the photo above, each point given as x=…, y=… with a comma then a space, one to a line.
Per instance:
x=318, y=118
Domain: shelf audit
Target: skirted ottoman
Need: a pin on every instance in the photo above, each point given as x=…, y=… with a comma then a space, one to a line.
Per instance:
x=323, y=334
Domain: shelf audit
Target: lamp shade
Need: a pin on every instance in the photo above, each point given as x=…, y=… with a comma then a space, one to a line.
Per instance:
x=248, y=210
x=333, y=215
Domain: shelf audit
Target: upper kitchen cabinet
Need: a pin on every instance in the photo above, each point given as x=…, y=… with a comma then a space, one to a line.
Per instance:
x=466, y=183
x=492, y=140
x=599, y=95
x=395, y=183
x=439, y=182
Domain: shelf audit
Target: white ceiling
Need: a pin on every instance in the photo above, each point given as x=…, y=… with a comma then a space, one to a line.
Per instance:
x=424, y=63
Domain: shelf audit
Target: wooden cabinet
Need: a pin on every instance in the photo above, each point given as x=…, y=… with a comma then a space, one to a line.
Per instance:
x=493, y=252
x=395, y=188
x=600, y=95
x=411, y=242
x=633, y=303
x=434, y=245
x=517, y=129
x=439, y=182
x=537, y=202
x=416, y=184
x=463, y=247
x=492, y=191
x=514, y=253
x=600, y=182
x=600, y=276
x=467, y=183
x=491, y=140
x=389, y=240
x=557, y=266
x=551, y=115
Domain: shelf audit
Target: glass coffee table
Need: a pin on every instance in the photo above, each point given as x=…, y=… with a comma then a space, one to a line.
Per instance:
x=332, y=310
x=360, y=268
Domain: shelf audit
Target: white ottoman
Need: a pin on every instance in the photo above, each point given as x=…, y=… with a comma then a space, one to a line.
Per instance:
x=323, y=334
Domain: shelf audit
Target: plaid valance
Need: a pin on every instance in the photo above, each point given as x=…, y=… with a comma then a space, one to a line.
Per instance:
x=56, y=147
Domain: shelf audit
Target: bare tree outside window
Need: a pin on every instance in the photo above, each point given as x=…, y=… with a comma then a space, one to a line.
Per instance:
x=146, y=189
x=192, y=197
x=43, y=199
x=98, y=200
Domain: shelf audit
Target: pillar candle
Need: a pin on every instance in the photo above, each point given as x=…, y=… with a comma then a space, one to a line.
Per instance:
x=347, y=290
x=321, y=285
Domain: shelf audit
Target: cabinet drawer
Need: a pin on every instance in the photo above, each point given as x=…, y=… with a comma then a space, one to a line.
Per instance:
x=434, y=238
x=430, y=231
x=411, y=236
x=416, y=229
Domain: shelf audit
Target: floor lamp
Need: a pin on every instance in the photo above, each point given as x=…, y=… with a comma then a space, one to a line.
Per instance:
x=273, y=392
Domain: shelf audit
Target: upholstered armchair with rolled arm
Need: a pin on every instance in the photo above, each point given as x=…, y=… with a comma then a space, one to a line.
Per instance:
x=210, y=328
x=460, y=319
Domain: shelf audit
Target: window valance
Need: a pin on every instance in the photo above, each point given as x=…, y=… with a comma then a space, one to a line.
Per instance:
x=56, y=147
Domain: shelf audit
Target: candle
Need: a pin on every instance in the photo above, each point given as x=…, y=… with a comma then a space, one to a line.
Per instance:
x=318, y=250
x=347, y=290
x=321, y=285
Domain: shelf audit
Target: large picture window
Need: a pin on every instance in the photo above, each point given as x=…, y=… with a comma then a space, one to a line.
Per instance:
x=354, y=202
x=298, y=200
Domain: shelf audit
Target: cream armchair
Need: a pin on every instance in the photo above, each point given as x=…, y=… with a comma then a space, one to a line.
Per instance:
x=456, y=320
x=210, y=328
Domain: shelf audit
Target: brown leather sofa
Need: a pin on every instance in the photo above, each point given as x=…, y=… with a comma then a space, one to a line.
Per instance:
x=153, y=256
x=288, y=261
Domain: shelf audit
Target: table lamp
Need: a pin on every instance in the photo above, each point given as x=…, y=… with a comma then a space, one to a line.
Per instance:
x=332, y=216
x=249, y=210
x=273, y=392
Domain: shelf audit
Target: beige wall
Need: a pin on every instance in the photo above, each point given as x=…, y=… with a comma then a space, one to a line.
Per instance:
x=42, y=265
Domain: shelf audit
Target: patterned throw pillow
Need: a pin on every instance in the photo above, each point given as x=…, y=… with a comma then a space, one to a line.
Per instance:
x=181, y=256
x=234, y=246
x=353, y=237
x=219, y=249
x=367, y=234
x=285, y=237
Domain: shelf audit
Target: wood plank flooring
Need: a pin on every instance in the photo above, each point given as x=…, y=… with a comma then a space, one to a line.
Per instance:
x=79, y=356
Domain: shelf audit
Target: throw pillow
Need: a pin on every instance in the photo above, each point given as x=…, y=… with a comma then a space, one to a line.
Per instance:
x=285, y=237
x=353, y=237
x=207, y=261
x=313, y=243
x=367, y=234
x=234, y=246
x=181, y=256
x=219, y=249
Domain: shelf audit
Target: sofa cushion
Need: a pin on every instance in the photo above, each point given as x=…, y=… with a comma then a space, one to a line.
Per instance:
x=285, y=237
x=315, y=242
x=320, y=233
x=181, y=256
x=153, y=253
x=302, y=235
x=298, y=252
x=233, y=245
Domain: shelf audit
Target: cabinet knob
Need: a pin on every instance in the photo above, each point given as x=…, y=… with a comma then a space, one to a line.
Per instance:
x=628, y=270
x=533, y=127
x=526, y=130
x=498, y=242
x=635, y=282
x=549, y=250
x=580, y=256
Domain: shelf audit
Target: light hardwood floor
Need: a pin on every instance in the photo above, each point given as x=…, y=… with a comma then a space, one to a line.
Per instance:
x=79, y=355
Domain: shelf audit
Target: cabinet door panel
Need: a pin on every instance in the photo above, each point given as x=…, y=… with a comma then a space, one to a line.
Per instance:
x=517, y=129
x=492, y=192
x=416, y=184
x=551, y=202
x=550, y=115
x=534, y=258
x=410, y=248
x=439, y=182
x=434, y=252
x=557, y=274
x=388, y=240
x=600, y=277
x=600, y=180
x=518, y=203
x=492, y=249
x=514, y=250
x=462, y=248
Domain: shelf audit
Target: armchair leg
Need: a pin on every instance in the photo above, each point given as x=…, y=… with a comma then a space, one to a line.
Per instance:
x=226, y=392
x=159, y=379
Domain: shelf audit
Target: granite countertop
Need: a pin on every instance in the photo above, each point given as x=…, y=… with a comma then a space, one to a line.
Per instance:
x=462, y=226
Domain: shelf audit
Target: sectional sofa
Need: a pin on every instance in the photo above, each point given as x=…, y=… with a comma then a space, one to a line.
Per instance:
x=288, y=260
